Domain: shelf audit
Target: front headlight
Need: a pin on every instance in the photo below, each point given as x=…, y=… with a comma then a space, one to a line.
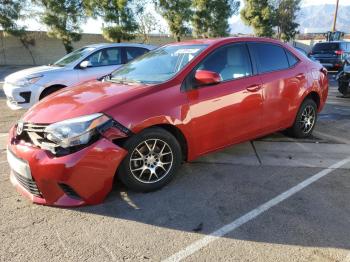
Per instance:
x=27, y=81
x=76, y=131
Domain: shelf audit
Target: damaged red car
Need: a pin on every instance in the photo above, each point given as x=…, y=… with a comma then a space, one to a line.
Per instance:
x=173, y=104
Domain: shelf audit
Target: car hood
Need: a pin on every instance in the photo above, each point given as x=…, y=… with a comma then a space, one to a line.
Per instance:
x=91, y=97
x=33, y=71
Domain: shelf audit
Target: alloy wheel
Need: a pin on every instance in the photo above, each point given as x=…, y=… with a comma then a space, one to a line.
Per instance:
x=308, y=119
x=151, y=161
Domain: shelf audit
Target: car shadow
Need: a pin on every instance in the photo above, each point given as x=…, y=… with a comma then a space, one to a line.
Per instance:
x=205, y=196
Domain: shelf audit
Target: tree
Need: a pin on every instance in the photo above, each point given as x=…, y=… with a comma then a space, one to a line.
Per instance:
x=63, y=19
x=259, y=15
x=145, y=19
x=118, y=16
x=10, y=13
x=285, y=18
x=210, y=18
x=177, y=13
x=146, y=24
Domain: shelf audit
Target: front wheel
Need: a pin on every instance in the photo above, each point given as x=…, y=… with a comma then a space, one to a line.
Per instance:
x=153, y=157
x=305, y=121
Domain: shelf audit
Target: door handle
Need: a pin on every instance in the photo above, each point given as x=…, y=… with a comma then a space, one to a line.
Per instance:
x=254, y=88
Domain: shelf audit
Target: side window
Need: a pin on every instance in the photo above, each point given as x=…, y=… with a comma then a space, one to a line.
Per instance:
x=105, y=57
x=292, y=60
x=270, y=57
x=133, y=52
x=230, y=62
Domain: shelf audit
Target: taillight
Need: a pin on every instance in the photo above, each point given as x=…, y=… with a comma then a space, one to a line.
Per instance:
x=339, y=52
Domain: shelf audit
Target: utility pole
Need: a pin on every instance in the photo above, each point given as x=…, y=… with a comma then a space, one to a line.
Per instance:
x=335, y=17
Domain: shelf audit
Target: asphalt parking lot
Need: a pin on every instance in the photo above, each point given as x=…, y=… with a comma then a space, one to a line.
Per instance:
x=272, y=199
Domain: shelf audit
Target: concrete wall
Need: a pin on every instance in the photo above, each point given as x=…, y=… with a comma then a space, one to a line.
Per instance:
x=47, y=50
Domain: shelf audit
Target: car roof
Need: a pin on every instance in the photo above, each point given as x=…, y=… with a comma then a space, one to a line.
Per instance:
x=104, y=45
x=213, y=41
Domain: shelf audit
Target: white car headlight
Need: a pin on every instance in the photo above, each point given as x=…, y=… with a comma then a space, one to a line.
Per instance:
x=27, y=81
x=75, y=131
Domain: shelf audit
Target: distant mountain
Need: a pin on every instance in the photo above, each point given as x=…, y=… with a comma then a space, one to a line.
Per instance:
x=312, y=19
x=319, y=18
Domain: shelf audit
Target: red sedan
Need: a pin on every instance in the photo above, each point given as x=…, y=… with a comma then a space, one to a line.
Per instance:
x=173, y=104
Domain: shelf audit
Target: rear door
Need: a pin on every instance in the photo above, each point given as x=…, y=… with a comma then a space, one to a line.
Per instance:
x=282, y=75
x=230, y=111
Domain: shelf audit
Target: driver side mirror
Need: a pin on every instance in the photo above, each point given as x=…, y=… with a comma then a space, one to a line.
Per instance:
x=85, y=64
x=206, y=77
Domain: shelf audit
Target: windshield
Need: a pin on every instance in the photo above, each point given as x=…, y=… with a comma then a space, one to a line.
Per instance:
x=158, y=65
x=74, y=56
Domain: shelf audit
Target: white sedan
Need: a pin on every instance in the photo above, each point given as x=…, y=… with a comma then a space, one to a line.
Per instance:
x=26, y=87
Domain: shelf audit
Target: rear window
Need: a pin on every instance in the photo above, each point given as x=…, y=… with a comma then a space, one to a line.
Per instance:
x=325, y=47
x=270, y=57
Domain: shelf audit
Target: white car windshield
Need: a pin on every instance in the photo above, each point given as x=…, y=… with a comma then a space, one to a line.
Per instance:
x=158, y=65
x=74, y=56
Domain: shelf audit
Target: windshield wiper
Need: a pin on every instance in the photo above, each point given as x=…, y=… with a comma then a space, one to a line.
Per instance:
x=105, y=77
x=124, y=81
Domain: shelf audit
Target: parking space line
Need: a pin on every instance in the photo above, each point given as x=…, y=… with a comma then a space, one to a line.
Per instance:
x=197, y=245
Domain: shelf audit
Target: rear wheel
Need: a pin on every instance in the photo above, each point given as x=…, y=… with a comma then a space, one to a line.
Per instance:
x=305, y=121
x=343, y=88
x=153, y=157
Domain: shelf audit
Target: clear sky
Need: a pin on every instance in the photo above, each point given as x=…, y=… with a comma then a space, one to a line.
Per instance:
x=94, y=26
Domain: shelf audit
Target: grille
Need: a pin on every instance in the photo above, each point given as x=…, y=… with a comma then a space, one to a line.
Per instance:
x=34, y=127
x=28, y=184
x=69, y=191
x=35, y=135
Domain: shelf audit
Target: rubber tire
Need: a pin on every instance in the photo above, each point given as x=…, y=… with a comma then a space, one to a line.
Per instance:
x=343, y=88
x=49, y=90
x=295, y=130
x=124, y=173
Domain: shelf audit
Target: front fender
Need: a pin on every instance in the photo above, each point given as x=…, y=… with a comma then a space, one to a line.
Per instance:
x=174, y=123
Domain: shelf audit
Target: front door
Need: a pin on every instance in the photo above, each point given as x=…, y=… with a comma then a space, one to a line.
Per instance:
x=102, y=62
x=230, y=111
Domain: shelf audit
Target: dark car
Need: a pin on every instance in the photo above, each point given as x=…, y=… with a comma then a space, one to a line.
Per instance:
x=331, y=55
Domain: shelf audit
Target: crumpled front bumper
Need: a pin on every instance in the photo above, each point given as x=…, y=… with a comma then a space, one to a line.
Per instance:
x=88, y=172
